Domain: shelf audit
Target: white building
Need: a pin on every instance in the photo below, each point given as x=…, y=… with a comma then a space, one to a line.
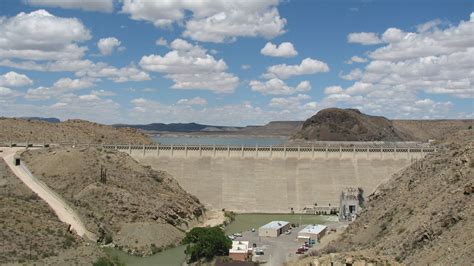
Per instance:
x=314, y=231
x=274, y=228
x=240, y=251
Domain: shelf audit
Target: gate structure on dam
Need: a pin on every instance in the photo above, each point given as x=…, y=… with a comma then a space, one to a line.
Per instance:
x=274, y=179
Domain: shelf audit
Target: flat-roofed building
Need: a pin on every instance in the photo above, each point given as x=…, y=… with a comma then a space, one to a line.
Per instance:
x=274, y=228
x=240, y=251
x=312, y=231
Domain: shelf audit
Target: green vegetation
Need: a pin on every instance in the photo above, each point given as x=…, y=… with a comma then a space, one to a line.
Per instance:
x=107, y=261
x=206, y=242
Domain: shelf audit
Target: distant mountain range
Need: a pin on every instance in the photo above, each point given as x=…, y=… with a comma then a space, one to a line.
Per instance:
x=46, y=119
x=179, y=127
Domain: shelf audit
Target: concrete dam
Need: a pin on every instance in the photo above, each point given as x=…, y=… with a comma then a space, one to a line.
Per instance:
x=274, y=179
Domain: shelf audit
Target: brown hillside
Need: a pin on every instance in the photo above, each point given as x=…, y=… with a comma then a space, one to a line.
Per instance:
x=31, y=231
x=334, y=124
x=137, y=208
x=424, y=130
x=423, y=216
x=14, y=129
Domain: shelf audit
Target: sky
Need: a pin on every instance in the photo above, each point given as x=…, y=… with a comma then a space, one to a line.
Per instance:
x=235, y=62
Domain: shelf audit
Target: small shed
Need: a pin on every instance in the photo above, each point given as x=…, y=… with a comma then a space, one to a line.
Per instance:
x=274, y=228
x=313, y=231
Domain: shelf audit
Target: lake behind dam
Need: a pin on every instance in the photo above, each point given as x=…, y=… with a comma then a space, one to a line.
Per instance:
x=219, y=140
x=243, y=222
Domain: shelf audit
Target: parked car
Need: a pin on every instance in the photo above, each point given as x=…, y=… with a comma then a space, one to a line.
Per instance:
x=237, y=235
x=299, y=252
x=231, y=237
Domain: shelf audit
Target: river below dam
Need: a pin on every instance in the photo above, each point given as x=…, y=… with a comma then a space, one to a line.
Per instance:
x=247, y=141
x=242, y=222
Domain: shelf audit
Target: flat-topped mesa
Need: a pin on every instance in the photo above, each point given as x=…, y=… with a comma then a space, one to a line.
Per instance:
x=334, y=124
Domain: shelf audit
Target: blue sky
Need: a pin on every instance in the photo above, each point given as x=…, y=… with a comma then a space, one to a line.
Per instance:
x=235, y=62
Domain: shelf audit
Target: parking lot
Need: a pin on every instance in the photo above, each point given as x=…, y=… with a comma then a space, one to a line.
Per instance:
x=277, y=250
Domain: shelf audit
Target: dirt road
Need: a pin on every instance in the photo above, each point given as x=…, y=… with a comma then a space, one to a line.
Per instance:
x=64, y=212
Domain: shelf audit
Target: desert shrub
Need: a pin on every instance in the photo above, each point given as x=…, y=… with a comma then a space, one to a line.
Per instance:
x=68, y=241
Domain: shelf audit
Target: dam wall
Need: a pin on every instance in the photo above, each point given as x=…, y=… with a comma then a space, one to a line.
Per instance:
x=274, y=179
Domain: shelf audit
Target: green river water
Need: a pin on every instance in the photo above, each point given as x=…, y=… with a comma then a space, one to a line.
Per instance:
x=242, y=222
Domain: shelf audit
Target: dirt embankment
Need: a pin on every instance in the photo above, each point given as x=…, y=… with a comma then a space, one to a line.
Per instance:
x=31, y=232
x=335, y=124
x=138, y=209
x=15, y=129
x=423, y=215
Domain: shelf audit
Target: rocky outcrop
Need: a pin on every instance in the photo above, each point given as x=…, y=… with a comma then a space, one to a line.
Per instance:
x=334, y=124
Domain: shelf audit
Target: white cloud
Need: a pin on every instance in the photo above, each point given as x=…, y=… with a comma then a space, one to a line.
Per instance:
x=191, y=67
x=212, y=21
x=119, y=75
x=285, y=49
x=364, y=38
x=41, y=36
x=278, y=87
x=245, y=67
x=13, y=79
x=427, y=26
x=107, y=45
x=96, y=5
x=73, y=84
x=333, y=90
x=7, y=94
x=306, y=67
x=161, y=42
x=353, y=75
x=193, y=101
x=356, y=59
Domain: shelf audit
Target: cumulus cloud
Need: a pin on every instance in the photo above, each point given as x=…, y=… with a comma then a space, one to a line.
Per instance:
x=333, y=90
x=107, y=45
x=161, y=42
x=245, y=67
x=212, y=21
x=433, y=60
x=96, y=5
x=306, y=67
x=285, y=49
x=191, y=67
x=356, y=59
x=40, y=35
x=277, y=86
x=364, y=38
x=61, y=87
x=192, y=101
x=8, y=94
x=13, y=79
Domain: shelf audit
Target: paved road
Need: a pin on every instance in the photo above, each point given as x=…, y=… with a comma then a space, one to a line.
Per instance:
x=64, y=212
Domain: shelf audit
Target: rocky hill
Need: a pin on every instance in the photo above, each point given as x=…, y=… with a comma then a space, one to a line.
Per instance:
x=334, y=124
x=16, y=129
x=422, y=216
x=32, y=232
x=138, y=209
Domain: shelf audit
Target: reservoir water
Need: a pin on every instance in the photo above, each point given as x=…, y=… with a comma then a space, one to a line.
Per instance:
x=243, y=222
x=247, y=141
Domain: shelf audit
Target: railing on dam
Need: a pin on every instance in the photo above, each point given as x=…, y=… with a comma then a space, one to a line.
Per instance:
x=221, y=151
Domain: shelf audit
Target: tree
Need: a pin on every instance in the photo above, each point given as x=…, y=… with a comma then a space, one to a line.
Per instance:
x=206, y=242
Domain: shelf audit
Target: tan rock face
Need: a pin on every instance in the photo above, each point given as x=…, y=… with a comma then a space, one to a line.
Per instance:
x=130, y=194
